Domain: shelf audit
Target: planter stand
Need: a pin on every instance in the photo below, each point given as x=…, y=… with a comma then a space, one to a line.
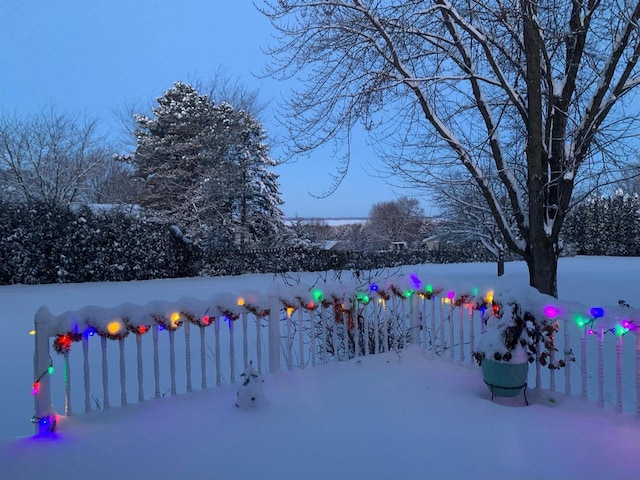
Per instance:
x=493, y=389
x=505, y=379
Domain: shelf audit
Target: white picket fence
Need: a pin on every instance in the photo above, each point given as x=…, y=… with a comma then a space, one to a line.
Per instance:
x=297, y=333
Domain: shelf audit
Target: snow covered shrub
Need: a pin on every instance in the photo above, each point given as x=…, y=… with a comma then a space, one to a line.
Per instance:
x=513, y=334
x=251, y=391
x=45, y=243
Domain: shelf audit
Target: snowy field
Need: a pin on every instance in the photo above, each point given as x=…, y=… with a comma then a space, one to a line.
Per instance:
x=394, y=416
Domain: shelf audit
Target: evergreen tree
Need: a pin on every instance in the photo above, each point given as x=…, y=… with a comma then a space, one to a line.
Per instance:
x=246, y=212
x=206, y=167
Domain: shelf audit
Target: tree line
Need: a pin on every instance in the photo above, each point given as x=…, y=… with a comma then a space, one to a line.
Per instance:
x=43, y=242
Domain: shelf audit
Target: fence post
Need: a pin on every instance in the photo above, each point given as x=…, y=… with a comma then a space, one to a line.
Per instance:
x=413, y=320
x=274, y=333
x=41, y=363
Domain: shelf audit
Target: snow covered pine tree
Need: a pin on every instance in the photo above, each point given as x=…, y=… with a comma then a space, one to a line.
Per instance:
x=205, y=167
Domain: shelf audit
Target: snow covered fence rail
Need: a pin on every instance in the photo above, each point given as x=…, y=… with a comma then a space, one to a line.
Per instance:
x=306, y=325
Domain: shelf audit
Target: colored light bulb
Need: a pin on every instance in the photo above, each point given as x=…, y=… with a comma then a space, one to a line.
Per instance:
x=50, y=370
x=113, y=328
x=550, y=311
x=597, y=312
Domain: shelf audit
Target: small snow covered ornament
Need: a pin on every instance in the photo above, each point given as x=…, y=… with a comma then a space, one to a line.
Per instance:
x=250, y=393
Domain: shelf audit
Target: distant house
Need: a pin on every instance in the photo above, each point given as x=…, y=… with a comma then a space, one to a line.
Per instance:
x=432, y=243
x=398, y=245
x=332, y=245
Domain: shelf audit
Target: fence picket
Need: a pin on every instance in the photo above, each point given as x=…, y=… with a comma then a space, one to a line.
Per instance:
x=637, y=374
x=123, y=374
x=139, y=363
x=245, y=341
x=259, y=344
x=567, y=360
x=87, y=383
x=583, y=363
x=619, y=374
x=203, y=359
x=67, y=385
x=187, y=352
x=105, y=374
x=232, y=351
x=217, y=352
x=156, y=362
x=461, y=327
x=600, y=367
x=301, y=337
x=472, y=346
x=312, y=322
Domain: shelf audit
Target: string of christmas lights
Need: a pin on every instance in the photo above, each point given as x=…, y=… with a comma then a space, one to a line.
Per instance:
x=46, y=422
x=380, y=291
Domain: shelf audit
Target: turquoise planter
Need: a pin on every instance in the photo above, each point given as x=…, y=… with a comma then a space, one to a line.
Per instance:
x=505, y=379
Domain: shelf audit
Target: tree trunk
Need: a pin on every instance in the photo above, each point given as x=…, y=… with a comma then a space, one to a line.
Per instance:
x=543, y=267
x=541, y=255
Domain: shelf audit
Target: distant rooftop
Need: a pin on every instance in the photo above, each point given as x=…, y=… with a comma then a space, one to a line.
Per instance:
x=331, y=221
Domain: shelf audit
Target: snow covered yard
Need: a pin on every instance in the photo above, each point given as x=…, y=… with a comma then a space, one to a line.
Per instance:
x=405, y=416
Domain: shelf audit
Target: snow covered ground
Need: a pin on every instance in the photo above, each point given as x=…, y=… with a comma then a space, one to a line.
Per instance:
x=400, y=416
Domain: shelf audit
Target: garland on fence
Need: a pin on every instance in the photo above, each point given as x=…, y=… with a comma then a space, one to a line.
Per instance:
x=114, y=330
x=136, y=329
x=256, y=310
x=203, y=321
x=119, y=329
x=62, y=343
x=175, y=321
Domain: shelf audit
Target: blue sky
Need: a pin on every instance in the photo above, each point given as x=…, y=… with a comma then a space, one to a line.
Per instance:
x=94, y=56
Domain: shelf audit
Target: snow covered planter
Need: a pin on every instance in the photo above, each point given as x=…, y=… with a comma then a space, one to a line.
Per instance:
x=512, y=339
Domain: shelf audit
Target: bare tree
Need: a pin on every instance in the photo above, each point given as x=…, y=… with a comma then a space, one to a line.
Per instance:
x=50, y=156
x=395, y=221
x=527, y=98
x=113, y=182
x=222, y=88
x=464, y=217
